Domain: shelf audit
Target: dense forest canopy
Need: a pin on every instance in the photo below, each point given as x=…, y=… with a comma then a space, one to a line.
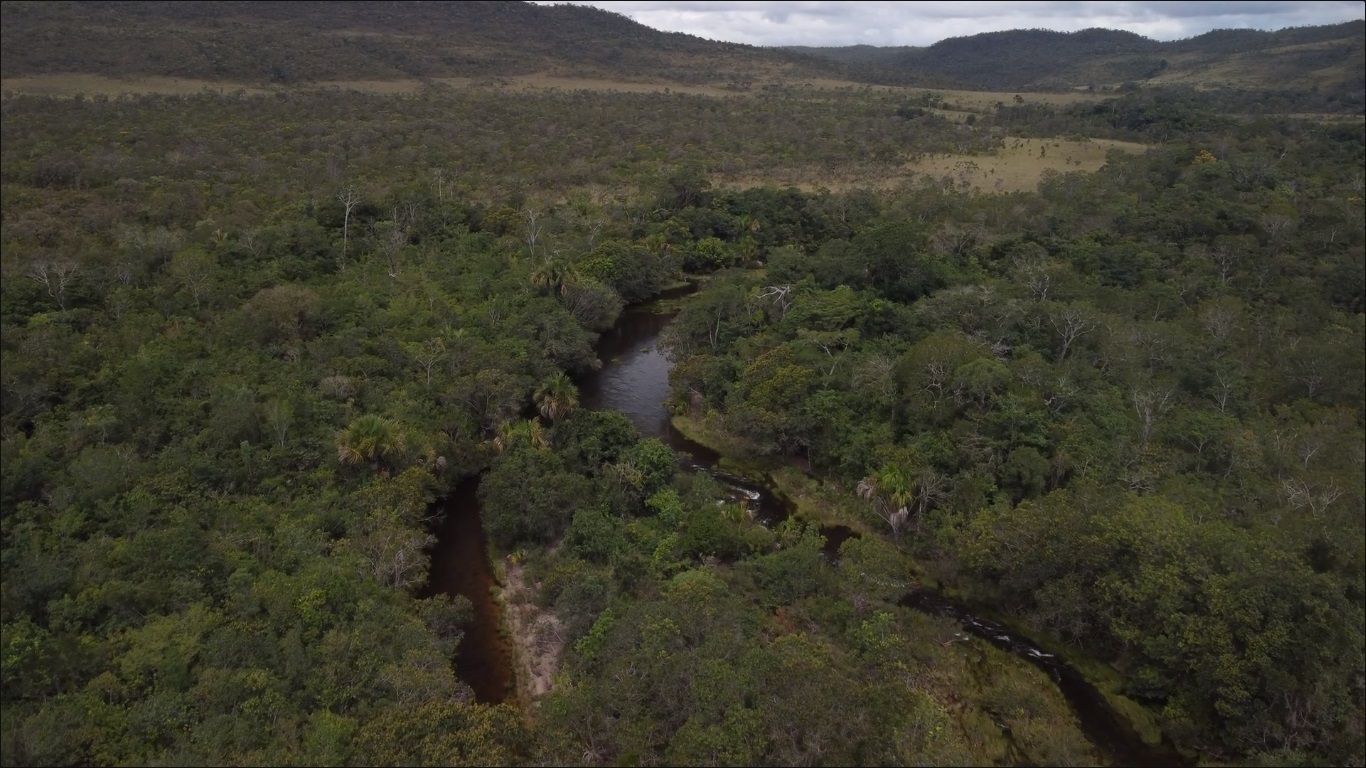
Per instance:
x=249, y=343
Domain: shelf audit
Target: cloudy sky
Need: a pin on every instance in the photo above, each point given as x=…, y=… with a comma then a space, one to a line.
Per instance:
x=922, y=23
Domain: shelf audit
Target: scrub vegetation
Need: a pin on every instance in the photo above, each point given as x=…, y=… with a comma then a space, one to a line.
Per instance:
x=252, y=337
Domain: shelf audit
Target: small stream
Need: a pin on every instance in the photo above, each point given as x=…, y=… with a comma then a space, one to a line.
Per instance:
x=634, y=380
x=1110, y=733
x=460, y=566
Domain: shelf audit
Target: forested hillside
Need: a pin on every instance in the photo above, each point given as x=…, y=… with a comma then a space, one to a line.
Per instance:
x=1327, y=59
x=259, y=350
x=300, y=42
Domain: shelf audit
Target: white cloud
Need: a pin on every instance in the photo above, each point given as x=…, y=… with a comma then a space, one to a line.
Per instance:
x=922, y=23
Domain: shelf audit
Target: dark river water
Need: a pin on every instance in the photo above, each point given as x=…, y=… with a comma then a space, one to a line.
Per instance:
x=460, y=566
x=634, y=380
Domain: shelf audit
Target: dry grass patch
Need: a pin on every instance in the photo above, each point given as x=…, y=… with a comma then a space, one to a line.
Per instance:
x=1020, y=164
x=75, y=84
x=986, y=101
x=537, y=634
x=1017, y=166
x=372, y=86
x=543, y=81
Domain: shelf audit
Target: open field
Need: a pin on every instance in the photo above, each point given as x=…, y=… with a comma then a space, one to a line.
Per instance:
x=74, y=84
x=77, y=84
x=957, y=104
x=986, y=101
x=1020, y=164
x=1017, y=167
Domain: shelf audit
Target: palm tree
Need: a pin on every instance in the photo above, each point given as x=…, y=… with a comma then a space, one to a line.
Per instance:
x=511, y=433
x=889, y=489
x=557, y=397
x=372, y=439
x=554, y=275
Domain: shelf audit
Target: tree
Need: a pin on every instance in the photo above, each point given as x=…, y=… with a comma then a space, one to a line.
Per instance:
x=594, y=306
x=55, y=276
x=889, y=490
x=529, y=497
x=553, y=275
x=283, y=312
x=395, y=549
x=279, y=416
x=527, y=432
x=1150, y=403
x=1071, y=321
x=395, y=241
x=534, y=222
x=373, y=439
x=349, y=199
x=427, y=354
x=556, y=397
x=194, y=269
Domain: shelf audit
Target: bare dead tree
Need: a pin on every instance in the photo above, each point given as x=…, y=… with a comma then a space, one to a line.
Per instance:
x=349, y=199
x=1317, y=499
x=1150, y=404
x=780, y=295
x=194, y=270
x=535, y=222
x=1071, y=323
x=1223, y=391
x=1225, y=261
x=1039, y=281
x=395, y=243
x=279, y=416
x=55, y=275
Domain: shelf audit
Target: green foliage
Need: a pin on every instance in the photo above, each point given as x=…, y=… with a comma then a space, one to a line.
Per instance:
x=1125, y=409
x=371, y=440
x=528, y=497
x=957, y=385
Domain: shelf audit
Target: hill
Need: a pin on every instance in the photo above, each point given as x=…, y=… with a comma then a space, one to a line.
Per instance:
x=1324, y=57
x=289, y=42
x=283, y=43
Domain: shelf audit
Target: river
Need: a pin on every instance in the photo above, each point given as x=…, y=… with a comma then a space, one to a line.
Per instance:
x=460, y=566
x=634, y=380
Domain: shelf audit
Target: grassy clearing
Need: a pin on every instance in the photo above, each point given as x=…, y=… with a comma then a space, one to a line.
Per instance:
x=75, y=84
x=812, y=499
x=707, y=432
x=818, y=502
x=1021, y=163
x=1017, y=167
x=986, y=101
x=958, y=104
x=544, y=81
x=374, y=86
x=816, y=179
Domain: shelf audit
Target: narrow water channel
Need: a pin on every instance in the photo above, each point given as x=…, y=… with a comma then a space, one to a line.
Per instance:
x=1110, y=733
x=634, y=380
x=460, y=566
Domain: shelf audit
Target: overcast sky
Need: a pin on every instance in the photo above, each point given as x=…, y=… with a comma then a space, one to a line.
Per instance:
x=922, y=23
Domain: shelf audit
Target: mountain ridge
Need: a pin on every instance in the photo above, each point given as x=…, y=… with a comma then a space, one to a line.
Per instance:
x=306, y=41
x=1047, y=59
x=286, y=43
